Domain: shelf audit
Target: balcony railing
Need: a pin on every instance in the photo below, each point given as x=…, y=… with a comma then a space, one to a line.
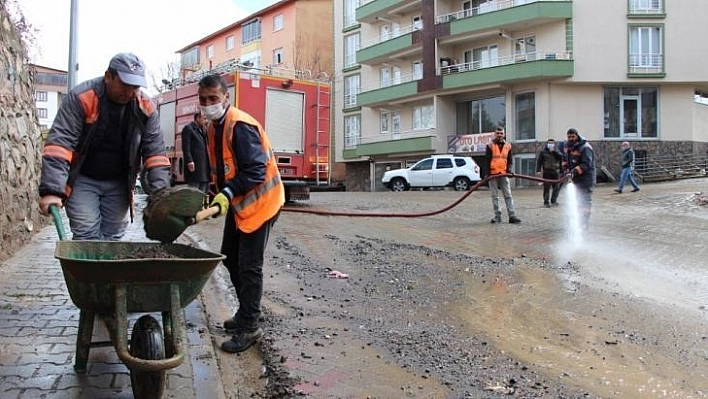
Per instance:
x=507, y=60
x=485, y=8
x=646, y=63
x=646, y=7
x=391, y=82
x=392, y=35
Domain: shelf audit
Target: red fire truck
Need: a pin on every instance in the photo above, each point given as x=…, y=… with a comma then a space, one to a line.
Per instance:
x=293, y=108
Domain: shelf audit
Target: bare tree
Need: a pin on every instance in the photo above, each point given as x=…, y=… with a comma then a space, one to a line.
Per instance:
x=168, y=74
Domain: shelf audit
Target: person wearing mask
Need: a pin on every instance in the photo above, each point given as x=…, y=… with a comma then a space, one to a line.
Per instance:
x=581, y=169
x=105, y=129
x=548, y=164
x=250, y=195
x=627, y=162
x=195, y=152
x=499, y=162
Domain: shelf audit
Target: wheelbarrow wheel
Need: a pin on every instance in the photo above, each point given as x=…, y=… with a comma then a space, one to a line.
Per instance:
x=146, y=343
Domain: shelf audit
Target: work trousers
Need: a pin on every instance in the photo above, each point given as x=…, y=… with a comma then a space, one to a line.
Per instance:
x=504, y=185
x=98, y=209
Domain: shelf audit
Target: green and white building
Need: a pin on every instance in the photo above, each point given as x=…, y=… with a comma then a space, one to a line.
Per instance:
x=421, y=77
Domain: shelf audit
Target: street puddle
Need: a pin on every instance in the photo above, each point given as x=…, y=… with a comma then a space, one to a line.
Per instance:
x=532, y=317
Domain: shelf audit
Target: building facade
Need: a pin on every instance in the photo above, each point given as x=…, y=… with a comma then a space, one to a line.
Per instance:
x=50, y=86
x=290, y=34
x=421, y=77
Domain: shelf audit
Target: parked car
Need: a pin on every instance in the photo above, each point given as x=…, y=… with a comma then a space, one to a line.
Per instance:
x=437, y=171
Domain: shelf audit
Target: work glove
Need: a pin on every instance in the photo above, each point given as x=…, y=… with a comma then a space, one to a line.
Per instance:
x=222, y=201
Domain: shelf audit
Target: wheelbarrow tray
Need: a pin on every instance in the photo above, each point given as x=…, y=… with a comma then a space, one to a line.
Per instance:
x=92, y=269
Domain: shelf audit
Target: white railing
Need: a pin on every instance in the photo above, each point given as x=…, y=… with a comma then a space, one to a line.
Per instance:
x=484, y=8
x=402, y=135
x=646, y=7
x=646, y=63
x=392, y=35
x=507, y=60
x=391, y=82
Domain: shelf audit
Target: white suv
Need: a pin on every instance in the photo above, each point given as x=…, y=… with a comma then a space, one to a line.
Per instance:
x=436, y=171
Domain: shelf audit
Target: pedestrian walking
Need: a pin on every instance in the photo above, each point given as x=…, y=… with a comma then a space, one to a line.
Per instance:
x=499, y=162
x=104, y=130
x=581, y=169
x=627, y=162
x=196, y=153
x=548, y=164
x=250, y=195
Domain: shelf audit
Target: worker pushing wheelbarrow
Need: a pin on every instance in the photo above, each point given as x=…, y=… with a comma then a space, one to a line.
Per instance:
x=112, y=279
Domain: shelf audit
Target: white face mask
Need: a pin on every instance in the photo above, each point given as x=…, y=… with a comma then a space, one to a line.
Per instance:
x=213, y=112
x=550, y=146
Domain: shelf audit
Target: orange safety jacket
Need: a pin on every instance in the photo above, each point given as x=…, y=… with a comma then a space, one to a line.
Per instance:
x=263, y=201
x=498, y=164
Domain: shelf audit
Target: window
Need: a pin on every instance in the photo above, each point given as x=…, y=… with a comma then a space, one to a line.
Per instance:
x=351, y=89
x=42, y=112
x=251, y=31
x=645, y=49
x=385, y=77
x=485, y=57
x=525, y=115
x=352, y=130
x=40, y=96
x=277, y=22
x=252, y=57
x=417, y=69
x=278, y=57
x=631, y=112
x=481, y=115
x=396, y=124
x=417, y=22
x=51, y=79
x=230, y=42
x=646, y=6
x=525, y=48
x=350, y=12
x=444, y=163
x=524, y=164
x=426, y=164
x=384, y=122
x=423, y=117
x=190, y=57
x=351, y=46
x=210, y=51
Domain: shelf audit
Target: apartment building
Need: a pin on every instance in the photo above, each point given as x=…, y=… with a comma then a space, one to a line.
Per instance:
x=50, y=85
x=421, y=77
x=290, y=34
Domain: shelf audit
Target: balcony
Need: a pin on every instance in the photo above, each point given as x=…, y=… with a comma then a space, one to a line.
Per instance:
x=396, y=44
x=398, y=88
x=508, y=14
x=515, y=68
x=368, y=10
x=408, y=142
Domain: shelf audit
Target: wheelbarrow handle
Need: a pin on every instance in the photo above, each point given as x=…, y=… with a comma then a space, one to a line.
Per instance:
x=58, y=223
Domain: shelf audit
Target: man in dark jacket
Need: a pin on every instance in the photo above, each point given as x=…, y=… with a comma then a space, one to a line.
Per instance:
x=627, y=162
x=102, y=133
x=581, y=169
x=195, y=151
x=549, y=162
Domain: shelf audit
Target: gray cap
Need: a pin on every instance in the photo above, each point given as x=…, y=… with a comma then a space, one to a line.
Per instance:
x=130, y=68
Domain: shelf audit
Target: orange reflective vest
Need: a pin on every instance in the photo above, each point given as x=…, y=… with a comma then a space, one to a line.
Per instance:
x=499, y=162
x=263, y=201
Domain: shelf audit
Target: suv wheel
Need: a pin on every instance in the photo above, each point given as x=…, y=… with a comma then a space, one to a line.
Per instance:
x=461, y=183
x=399, y=184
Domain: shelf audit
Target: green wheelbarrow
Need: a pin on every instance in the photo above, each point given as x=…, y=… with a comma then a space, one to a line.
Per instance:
x=112, y=279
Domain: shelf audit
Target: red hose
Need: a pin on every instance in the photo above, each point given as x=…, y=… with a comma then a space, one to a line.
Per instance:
x=417, y=215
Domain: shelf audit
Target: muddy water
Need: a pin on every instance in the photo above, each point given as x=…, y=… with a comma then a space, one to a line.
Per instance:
x=530, y=316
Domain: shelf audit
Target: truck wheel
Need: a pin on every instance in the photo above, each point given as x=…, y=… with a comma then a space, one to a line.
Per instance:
x=146, y=343
x=461, y=183
x=399, y=184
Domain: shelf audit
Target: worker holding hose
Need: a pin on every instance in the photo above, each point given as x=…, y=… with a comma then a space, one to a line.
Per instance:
x=581, y=169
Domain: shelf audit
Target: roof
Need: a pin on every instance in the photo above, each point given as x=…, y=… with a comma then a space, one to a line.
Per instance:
x=48, y=69
x=236, y=24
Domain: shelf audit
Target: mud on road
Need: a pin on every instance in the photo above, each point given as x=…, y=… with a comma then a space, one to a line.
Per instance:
x=412, y=320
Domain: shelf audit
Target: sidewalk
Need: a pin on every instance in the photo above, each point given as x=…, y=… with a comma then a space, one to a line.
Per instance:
x=38, y=330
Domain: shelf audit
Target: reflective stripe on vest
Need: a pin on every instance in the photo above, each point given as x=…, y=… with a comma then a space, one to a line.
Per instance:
x=499, y=162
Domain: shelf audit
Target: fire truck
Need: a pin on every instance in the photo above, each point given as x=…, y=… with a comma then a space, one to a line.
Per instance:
x=293, y=108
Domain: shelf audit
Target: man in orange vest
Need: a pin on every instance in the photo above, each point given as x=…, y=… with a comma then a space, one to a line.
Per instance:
x=499, y=162
x=251, y=194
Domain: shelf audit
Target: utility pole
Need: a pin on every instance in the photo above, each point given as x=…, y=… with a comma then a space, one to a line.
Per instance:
x=73, y=59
